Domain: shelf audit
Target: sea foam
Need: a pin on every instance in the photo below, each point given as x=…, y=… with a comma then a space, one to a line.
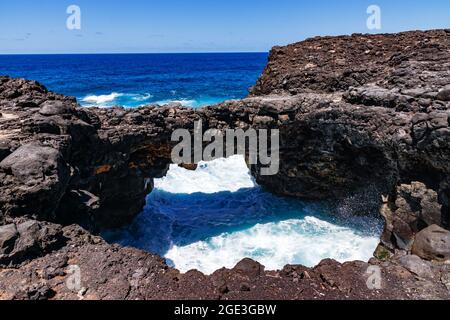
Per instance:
x=217, y=215
x=220, y=175
x=304, y=241
x=115, y=98
x=131, y=100
x=101, y=99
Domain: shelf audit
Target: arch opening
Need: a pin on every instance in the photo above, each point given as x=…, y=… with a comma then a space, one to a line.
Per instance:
x=216, y=215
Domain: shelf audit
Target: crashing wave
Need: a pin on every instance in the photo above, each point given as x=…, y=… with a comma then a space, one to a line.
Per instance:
x=115, y=98
x=304, y=241
x=219, y=175
x=217, y=215
x=101, y=99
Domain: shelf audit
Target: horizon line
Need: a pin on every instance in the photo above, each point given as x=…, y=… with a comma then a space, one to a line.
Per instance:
x=134, y=53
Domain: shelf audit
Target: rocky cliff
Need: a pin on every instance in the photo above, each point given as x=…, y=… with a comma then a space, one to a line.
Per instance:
x=364, y=122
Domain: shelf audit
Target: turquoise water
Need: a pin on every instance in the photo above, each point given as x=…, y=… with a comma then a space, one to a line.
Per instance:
x=137, y=79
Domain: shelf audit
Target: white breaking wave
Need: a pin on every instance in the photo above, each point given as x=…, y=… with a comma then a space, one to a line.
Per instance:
x=111, y=99
x=304, y=240
x=193, y=103
x=229, y=174
x=183, y=102
x=141, y=97
x=297, y=241
x=102, y=98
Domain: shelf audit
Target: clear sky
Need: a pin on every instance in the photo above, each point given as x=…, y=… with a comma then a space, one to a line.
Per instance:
x=111, y=26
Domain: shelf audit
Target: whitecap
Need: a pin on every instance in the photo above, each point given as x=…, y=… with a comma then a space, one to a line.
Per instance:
x=115, y=98
x=304, y=241
x=184, y=102
x=217, y=215
x=220, y=175
x=141, y=96
x=101, y=99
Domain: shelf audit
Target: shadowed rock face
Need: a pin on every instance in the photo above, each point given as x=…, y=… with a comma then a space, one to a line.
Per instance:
x=359, y=117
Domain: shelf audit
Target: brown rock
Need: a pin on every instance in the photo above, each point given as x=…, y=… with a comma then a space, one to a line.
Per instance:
x=444, y=94
x=417, y=266
x=432, y=243
x=29, y=240
x=249, y=268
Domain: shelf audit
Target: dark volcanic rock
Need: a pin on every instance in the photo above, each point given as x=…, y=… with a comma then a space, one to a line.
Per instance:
x=444, y=94
x=36, y=180
x=8, y=236
x=410, y=209
x=432, y=243
x=51, y=108
x=24, y=241
x=104, y=271
x=360, y=117
x=329, y=64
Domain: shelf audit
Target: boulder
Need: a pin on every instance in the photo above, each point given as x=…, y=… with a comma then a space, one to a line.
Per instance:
x=51, y=108
x=411, y=208
x=432, y=243
x=417, y=266
x=31, y=162
x=249, y=267
x=444, y=94
x=36, y=178
x=8, y=236
x=28, y=240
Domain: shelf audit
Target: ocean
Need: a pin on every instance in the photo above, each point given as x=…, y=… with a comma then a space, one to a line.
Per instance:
x=216, y=215
x=132, y=80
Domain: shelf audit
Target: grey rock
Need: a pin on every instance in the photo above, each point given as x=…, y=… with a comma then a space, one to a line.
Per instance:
x=37, y=180
x=8, y=236
x=432, y=243
x=417, y=266
x=30, y=162
x=262, y=120
x=50, y=108
x=32, y=239
x=444, y=94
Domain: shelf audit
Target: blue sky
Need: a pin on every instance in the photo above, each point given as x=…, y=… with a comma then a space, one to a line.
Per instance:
x=111, y=26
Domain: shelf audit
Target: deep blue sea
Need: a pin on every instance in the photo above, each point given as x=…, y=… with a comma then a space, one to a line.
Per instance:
x=131, y=80
x=216, y=215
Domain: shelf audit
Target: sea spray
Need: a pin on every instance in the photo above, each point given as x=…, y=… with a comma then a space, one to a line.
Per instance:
x=304, y=241
x=217, y=215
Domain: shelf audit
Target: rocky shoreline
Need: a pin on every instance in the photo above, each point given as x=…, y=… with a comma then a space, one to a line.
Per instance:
x=364, y=122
